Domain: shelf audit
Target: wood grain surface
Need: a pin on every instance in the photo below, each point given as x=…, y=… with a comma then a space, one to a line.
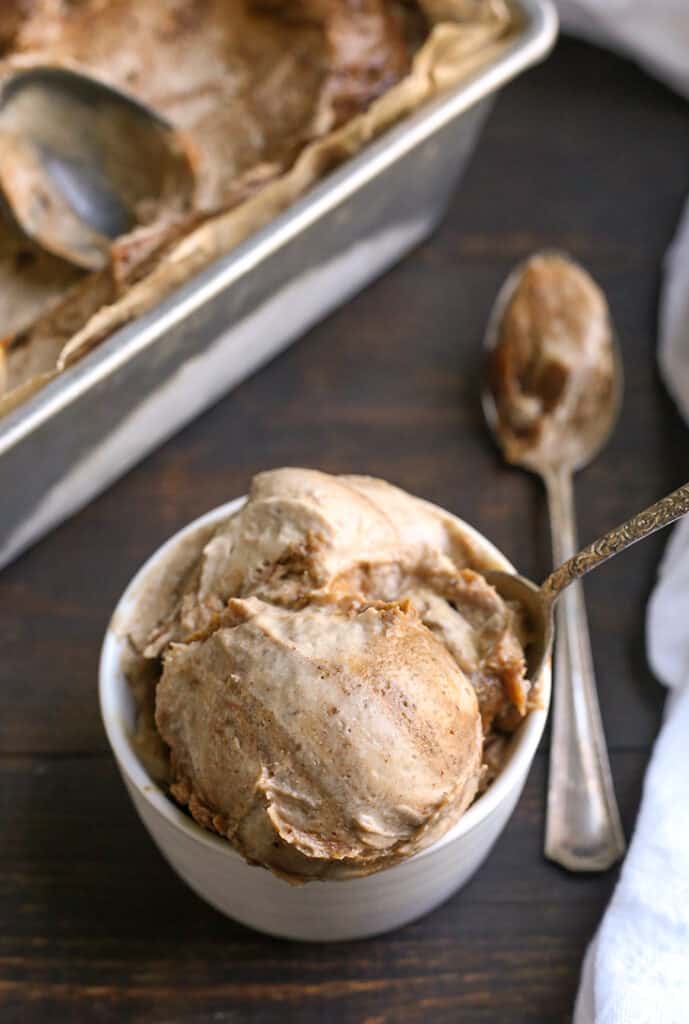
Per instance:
x=584, y=153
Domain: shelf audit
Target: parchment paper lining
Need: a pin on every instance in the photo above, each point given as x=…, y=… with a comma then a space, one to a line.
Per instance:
x=465, y=36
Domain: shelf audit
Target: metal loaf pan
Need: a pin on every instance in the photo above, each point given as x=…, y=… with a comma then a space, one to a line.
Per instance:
x=87, y=427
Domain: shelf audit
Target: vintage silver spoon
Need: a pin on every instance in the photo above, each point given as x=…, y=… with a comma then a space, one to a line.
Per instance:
x=82, y=163
x=583, y=827
x=582, y=817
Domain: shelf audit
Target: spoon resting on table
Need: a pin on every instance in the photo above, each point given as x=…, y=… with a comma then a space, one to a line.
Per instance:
x=82, y=163
x=551, y=398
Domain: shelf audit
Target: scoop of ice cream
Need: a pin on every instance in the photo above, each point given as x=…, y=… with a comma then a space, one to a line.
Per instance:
x=323, y=741
x=333, y=666
x=302, y=531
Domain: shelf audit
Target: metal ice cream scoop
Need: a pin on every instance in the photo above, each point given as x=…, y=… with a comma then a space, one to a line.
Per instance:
x=82, y=163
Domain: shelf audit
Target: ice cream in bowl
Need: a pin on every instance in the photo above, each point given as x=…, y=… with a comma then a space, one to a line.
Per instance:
x=319, y=706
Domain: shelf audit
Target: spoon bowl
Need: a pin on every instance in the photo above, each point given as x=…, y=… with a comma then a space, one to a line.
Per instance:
x=82, y=163
x=574, y=450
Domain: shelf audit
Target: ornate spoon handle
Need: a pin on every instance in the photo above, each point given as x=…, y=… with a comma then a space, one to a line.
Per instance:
x=673, y=506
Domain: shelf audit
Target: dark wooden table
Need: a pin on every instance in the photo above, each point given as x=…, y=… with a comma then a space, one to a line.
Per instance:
x=584, y=153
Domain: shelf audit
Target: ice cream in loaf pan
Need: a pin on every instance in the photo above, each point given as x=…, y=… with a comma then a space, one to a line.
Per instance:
x=269, y=97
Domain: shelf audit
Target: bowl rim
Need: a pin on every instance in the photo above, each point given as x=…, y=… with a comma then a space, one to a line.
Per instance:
x=510, y=777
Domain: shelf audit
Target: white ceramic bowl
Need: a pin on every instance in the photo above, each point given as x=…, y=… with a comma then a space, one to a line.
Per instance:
x=319, y=911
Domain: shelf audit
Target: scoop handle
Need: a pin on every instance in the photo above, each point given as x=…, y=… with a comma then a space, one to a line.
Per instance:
x=583, y=829
x=670, y=508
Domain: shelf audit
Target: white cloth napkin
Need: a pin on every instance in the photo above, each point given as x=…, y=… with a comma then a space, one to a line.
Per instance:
x=636, y=969
x=654, y=32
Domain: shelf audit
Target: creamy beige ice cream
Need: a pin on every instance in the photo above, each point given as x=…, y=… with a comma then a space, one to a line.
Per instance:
x=323, y=675
x=267, y=96
x=553, y=363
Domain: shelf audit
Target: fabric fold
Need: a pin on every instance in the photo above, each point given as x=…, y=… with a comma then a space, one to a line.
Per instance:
x=636, y=970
